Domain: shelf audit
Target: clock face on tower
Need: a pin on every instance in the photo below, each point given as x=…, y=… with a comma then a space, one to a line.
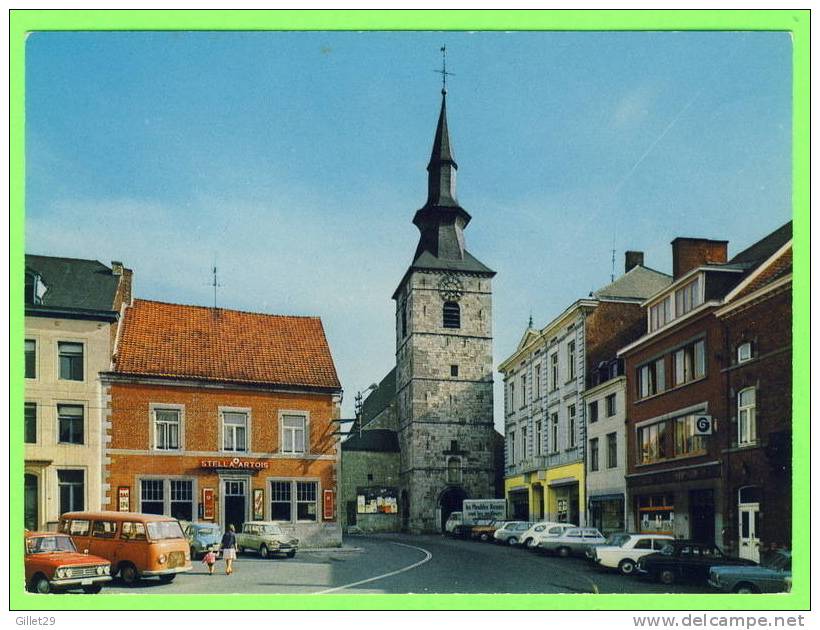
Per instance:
x=450, y=287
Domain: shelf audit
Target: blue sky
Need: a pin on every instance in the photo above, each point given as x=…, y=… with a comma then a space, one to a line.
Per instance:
x=296, y=161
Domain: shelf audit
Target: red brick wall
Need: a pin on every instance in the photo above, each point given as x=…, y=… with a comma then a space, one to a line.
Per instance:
x=767, y=325
x=130, y=429
x=688, y=253
x=708, y=389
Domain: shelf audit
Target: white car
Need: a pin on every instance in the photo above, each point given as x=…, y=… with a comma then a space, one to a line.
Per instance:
x=530, y=538
x=624, y=550
x=573, y=541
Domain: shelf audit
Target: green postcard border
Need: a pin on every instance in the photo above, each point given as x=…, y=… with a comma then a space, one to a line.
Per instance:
x=794, y=21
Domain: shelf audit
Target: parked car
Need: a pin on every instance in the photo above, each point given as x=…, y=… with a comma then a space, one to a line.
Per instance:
x=572, y=541
x=202, y=537
x=686, y=560
x=266, y=538
x=552, y=530
x=53, y=564
x=453, y=521
x=529, y=539
x=137, y=545
x=773, y=575
x=623, y=550
x=485, y=532
x=510, y=531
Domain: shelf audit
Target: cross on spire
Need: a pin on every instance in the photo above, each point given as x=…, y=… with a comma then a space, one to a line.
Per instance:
x=443, y=72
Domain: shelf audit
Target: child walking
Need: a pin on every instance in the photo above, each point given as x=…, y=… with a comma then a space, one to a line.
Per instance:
x=210, y=560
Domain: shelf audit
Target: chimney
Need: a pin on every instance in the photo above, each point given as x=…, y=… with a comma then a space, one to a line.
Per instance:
x=688, y=253
x=116, y=267
x=633, y=259
x=123, y=295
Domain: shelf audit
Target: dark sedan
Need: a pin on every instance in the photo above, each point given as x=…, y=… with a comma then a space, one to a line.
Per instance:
x=686, y=561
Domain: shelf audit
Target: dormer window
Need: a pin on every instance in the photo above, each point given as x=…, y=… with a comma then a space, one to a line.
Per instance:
x=744, y=352
x=35, y=288
x=687, y=297
x=660, y=313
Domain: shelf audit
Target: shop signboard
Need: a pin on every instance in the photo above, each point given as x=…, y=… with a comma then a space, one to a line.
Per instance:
x=474, y=510
x=208, y=504
x=328, y=505
x=124, y=499
x=258, y=504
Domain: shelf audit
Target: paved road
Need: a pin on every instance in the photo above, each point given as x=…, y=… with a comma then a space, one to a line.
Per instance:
x=407, y=564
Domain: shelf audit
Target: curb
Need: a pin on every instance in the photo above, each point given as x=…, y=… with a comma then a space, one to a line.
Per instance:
x=330, y=549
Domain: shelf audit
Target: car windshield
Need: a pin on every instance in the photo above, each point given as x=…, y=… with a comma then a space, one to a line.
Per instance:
x=778, y=562
x=617, y=540
x=50, y=544
x=270, y=529
x=163, y=530
x=206, y=531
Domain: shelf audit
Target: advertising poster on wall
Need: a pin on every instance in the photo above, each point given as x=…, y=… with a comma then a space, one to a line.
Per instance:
x=377, y=500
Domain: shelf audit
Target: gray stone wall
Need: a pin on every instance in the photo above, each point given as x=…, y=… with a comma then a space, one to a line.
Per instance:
x=438, y=410
x=356, y=466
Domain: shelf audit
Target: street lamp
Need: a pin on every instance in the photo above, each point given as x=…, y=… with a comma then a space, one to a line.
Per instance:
x=360, y=404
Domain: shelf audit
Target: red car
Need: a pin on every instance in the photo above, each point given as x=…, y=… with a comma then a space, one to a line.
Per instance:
x=52, y=563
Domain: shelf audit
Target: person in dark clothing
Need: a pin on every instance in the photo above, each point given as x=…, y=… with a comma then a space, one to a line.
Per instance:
x=229, y=548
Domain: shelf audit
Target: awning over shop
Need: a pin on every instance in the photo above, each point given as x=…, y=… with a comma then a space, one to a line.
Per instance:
x=564, y=481
x=605, y=497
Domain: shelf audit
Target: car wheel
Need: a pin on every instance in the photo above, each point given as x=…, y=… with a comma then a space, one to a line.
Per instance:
x=93, y=589
x=167, y=579
x=291, y=554
x=563, y=552
x=484, y=537
x=530, y=543
x=666, y=577
x=42, y=586
x=512, y=541
x=626, y=567
x=263, y=551
x=128, y=574
x=746, y=589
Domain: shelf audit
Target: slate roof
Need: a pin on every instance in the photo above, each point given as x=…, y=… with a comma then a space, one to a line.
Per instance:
x=638, y=283
x=73, y=283
x=380, y=398
x=426, y=260
x=180, y=341
x=764, y=248
x=372, y=440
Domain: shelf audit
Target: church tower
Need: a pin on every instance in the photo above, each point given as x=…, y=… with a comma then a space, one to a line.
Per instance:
x=444, y=371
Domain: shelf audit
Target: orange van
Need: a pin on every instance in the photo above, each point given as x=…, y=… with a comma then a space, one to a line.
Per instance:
x=137, y=545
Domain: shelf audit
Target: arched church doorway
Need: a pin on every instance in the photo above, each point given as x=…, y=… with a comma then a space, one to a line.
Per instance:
x=450, y=501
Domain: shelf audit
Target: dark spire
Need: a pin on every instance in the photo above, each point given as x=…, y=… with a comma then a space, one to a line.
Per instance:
x=441, y=180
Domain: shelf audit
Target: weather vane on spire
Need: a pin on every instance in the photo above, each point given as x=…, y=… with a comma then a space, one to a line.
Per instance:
x=443, y=72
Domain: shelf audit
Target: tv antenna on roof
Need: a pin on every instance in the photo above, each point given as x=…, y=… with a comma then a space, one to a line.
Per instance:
x=214, y=283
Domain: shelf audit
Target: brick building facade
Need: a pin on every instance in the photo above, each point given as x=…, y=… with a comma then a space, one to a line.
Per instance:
x=680, y=371
x=224, y=416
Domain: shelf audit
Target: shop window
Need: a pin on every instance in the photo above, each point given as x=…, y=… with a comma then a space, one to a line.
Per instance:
x=71, y=361
x=182, y=499
x=71, y=485
x=152, y=496
x=306, y=500
x=71, y=424
x=690, y=362
x=280, y=509
x=746, y=417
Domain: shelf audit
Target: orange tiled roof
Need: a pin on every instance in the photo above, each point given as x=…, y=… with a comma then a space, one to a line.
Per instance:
x=175, y=340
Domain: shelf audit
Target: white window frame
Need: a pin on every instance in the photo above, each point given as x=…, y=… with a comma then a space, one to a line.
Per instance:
x=751, y=418
x=572, y=425
x=512, y=447
x=294, y=412
x=180, y=409
x=57, y=469
x=571, y=358
x=36, y=341
x=70, y=403
x=37, y=420
x=248, y=434
x=555, y=420
x=294, y=500
x=742, y=356
x=166, y=491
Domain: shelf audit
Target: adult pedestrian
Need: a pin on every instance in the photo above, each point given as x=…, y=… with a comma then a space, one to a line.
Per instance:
x=229, y=548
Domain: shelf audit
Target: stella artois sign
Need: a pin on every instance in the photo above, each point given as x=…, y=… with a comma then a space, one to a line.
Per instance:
x=235, y=463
